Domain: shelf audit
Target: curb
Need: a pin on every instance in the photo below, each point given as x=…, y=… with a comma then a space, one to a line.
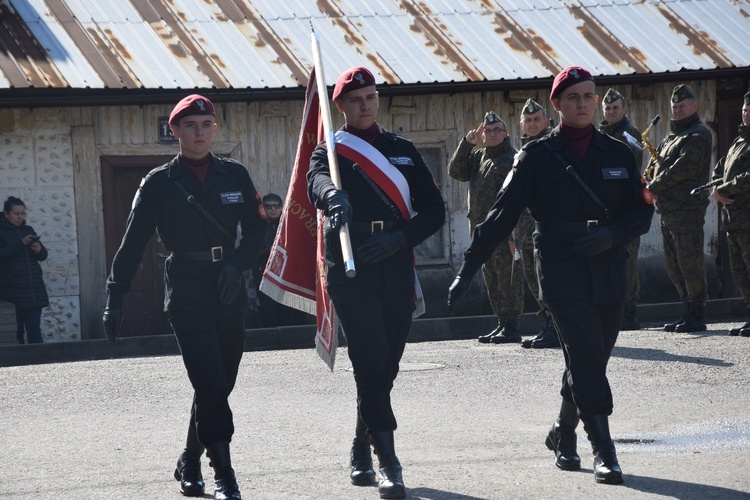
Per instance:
x=302, y=337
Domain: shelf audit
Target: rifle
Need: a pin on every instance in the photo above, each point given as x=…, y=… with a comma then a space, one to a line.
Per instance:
x=333, y=165
x=707, y=186
x=649, y=173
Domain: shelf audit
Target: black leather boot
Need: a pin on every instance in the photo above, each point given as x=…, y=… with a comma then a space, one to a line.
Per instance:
x=670, y=327
x=629, y=320
x=547, y=338
x=562, y=438
x=485, y=339
x=188, y=473
x=693, y=320
x=188, y=470
x=606, y=468
x=226, y=482
x=511, y=331
x=390, y=482
x=362, y=472
x=736, y=331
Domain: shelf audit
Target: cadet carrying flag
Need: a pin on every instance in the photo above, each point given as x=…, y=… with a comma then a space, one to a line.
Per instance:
x=295, y=273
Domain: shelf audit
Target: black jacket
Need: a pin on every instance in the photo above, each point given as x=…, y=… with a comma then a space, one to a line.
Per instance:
x=228, y=195
x=20, y=273
x=397, y=270
x=541, y=183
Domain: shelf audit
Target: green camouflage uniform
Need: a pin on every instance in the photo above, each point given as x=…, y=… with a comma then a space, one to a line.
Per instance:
x=485, y=169
x=734, y=171
x=616, y=130
x=684, y=163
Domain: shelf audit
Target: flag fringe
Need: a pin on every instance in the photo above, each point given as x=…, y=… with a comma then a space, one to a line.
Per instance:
x=287, y=298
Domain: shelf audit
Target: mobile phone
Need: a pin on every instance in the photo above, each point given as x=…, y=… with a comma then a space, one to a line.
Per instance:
x=35, y=238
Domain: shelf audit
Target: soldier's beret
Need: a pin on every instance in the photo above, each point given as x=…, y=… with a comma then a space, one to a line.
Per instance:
x=491, y=118
x=569, y=77
x=612, y=95
x=353, y=79
x=531, y=107
x=682, y=92
x=193, y=104
x=747, y=99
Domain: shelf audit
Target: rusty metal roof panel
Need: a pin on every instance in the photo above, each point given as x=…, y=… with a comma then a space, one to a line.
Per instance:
x=265, y=44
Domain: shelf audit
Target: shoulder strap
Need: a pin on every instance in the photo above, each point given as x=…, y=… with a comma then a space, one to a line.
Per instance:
x=191, y=199
x=569, y=169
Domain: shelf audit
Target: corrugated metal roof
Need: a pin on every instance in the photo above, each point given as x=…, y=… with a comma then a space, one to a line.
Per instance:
x=265, y=44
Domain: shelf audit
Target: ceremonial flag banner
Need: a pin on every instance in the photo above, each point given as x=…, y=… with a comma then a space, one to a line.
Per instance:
x=295, y=273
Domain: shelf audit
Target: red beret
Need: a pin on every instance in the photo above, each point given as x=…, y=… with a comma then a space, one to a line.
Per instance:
x=191, y=105
x=569, y=77
x=353, y=79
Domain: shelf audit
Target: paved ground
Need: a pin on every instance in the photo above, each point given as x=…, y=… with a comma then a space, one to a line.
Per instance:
x=472, y=423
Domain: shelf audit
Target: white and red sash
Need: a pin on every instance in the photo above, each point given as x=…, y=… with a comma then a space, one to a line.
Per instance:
x=388, y=178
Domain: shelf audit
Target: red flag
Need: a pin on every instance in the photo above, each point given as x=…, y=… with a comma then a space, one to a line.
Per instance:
x=295, y=273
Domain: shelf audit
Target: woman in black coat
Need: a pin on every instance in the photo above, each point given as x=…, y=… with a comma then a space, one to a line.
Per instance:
x=20, y=272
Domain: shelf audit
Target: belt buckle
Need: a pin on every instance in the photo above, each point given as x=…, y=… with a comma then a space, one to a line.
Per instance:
x=591, y=224
x=376, y=226
x=217, y=254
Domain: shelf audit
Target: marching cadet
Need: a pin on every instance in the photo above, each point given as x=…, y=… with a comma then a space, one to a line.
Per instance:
x=617, y=124
x=195, y=202
x=733, y=192
x=588, y=199
x=485, y=170
x=384, y=179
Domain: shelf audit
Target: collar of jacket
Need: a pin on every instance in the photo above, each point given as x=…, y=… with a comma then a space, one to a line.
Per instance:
x=613, y=129
x=176, y=170
x=744, y=131
x=679, y=126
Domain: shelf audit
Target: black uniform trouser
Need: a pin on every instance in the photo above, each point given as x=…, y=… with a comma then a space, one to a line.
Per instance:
x=588, y=333
x=376, y=324
x=211, y=340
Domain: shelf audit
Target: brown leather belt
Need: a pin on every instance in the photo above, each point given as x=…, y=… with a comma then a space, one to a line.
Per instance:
x=568, y=227
x=216, y=254
x=376, y=226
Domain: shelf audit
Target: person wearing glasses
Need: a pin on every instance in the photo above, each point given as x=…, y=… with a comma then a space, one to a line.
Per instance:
x=485, y=170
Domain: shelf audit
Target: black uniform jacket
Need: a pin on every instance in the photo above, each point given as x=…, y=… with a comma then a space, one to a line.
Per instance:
x=397, y=270
x=540, y=182
x=21, y=281
x=228, y=195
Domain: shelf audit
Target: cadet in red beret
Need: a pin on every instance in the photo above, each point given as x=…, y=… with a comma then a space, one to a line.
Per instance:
x=375, y=307
x=203, y=277
x=587, y=196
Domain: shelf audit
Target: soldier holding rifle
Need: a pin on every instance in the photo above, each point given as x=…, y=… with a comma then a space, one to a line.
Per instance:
x=732, y=175
x=383, y=180
x=684, y=163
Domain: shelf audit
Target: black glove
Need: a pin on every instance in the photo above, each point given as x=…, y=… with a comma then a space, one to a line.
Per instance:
x=593, y=242
x=338, y=209
x=229, y=281
x=381, y=246
x=458, y=289
x=112, y=318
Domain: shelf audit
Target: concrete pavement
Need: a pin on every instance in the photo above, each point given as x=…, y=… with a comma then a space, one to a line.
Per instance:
x=472, y=422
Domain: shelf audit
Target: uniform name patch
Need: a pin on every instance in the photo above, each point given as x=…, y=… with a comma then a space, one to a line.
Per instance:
x=615, y=173
x=231, y=197
x=401, y=160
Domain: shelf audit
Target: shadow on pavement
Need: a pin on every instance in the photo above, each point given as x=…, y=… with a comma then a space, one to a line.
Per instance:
x=680, y=489
x=432, y=494
x=647, y=354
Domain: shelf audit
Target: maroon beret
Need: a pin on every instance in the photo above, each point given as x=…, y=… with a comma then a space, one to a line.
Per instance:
x=193, y=104
x=353, y=79
x=569, y=77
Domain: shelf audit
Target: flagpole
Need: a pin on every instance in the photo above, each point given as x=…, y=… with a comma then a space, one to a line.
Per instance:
x=325, y=111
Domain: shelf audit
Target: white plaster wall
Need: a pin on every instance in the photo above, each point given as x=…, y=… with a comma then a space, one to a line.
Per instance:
x=36, y=166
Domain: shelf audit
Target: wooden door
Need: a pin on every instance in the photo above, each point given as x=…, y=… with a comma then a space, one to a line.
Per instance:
x=143, y=309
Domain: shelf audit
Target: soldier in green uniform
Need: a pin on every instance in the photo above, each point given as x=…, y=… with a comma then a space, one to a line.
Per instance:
x=683, y=164
x=616, y=124
x=734, y=194
x=535, y=125
x=485, y=170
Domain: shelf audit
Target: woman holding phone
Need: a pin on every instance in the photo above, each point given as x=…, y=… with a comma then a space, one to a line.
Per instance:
x=20, y=273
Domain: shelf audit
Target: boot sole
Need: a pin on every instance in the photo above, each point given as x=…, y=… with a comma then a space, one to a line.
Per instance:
x=609, y=480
